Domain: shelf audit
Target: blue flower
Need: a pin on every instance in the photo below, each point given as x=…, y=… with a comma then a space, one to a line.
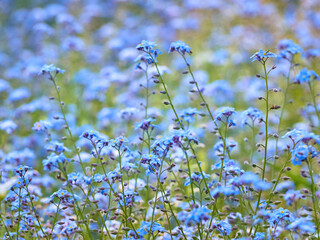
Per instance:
x=69, y=229
x=292, y=196
x=196, y=177
x=118, y=142
x=97, y=139
x=301, y=153
x=8, y=126
x=262, y=56
x=306, y=75
x=98, y=178
x=259, y=236
x=114, y=175
x=222, y=226
x=220, y=149
x=145, y=57
x=297, y=135
x=47, y=69
x=311, y=53
x=53, y=160
x=250, y=115
x=75, y=178
x=278, y=215
x=225, y=190
x=73, y=44
x=4, y=86
x=21, y=170
x=189, y=114
x=145, y=227
x=55, y=146
x=145, y=124
x=152, y=161
x=21, y=182
x=41, y=126
x=181, y=136
x=230, y=167
x=180, y=47
x=221, y=90
x=305, y=225
x=65, y=196
x=146, y=46
x=198, y=215
x=19, y=94
x=224, y=114
x=249, y=178
x=288, y=48
x=129, y=197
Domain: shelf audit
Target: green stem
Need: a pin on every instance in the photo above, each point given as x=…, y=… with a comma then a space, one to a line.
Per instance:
x=155, y=200
x=314, y=197
x=67, y=125
x=180, y=124
x=4, y=224
x=18, y=226
x=284, y=103
x=203, y=100
x=114, y=193
x=33, y=208
x=266, y=132
x=55, y=218
x=313, y=96
x=122, y=185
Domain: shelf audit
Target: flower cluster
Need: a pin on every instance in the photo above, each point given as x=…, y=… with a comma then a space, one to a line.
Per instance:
x=163, y=139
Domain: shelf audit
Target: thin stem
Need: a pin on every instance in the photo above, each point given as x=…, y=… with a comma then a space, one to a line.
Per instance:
x=284, y=102
x=111, y=188
x=122, y=186
x=66, y=123
x=55, y=217
x=313, y=96
x=314, y=197
x=252, y=142
x=33, y=208
x=266, y=131
x=181, y=125
x=18, y=226
x=203, y=100
x=147, y=92
x=5, y=226
x=156, y=197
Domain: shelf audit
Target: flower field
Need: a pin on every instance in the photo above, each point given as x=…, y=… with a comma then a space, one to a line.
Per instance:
x=160, y=120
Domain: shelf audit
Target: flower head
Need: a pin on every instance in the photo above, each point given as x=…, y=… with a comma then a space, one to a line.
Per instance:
x=306, y=75
x=288, y=48
x=262, y=56
x=180, y=47
x=47, y=69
